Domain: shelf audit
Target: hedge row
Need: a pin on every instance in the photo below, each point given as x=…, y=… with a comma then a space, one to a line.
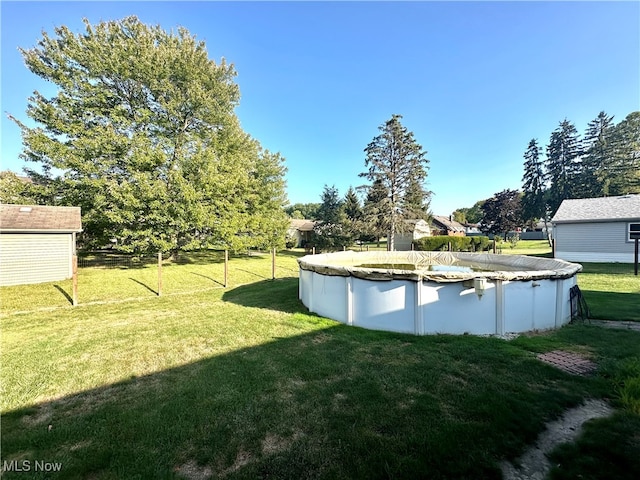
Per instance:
x=458, y=244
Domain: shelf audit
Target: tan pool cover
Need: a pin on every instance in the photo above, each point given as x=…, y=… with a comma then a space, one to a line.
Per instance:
x=500, y=267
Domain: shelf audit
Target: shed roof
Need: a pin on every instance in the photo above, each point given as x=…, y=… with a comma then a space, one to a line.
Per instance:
x=39, y=218
x=448, y=223
x=302, y=225
x=604, y=209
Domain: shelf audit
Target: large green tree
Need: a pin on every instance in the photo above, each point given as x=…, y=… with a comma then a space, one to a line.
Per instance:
x=469, y=215
x=622, y=167
x=502, y=212
x=416, y=201
x=375, y=208
x=16, y=190
x=396, y=159
x=354, y=214
x=143, y=132
x=563, y=164
x=533, y=184
x=597, y=156
x=307, y=211
x=330, y=232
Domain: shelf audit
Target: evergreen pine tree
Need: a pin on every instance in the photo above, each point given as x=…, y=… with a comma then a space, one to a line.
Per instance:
x=395, y=159
x=563, y=164
x=533, y=184
x=598, y=155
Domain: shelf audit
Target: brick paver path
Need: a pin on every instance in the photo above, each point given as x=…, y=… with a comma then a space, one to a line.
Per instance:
x=568, y=362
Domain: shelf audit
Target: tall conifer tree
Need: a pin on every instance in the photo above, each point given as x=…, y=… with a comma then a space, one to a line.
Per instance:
x=563, y=163
x=533, y=184
x=396, y=160
x=598, y=154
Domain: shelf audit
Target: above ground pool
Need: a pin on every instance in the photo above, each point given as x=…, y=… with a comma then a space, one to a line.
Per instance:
x=439, y=292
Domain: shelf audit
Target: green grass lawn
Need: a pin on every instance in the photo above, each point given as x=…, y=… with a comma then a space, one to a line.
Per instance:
x=537, y=248
x=612, y=290
x=244, y=383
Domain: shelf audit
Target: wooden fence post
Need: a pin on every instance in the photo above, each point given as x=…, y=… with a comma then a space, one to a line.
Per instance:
x=159, y=273
x=273, y=263
x=226, y=267
x=74, y=283
x=635, y=263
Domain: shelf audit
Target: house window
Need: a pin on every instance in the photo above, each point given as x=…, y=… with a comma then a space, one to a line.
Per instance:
x=633, y=232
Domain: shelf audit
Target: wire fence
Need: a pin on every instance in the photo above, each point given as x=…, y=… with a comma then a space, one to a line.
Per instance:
x=103, y=277
x=110, y=260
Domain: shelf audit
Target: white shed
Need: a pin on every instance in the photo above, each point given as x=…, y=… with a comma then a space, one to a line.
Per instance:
x=597, y=229
x=37, y=243
x=413, y=230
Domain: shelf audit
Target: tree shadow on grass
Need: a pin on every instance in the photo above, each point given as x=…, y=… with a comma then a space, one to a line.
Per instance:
x=331, y=402
x=155, y=292
x=280, y=294
x=63, y=292
x=208, y=278
x=209, y=257
x=250, y=273
x=291, y=253
x=538, y=255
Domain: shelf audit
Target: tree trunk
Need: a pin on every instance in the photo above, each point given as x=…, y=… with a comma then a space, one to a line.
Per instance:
x=391, y=243
x=546, y=230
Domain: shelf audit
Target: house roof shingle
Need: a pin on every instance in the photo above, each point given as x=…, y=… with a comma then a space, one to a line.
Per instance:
x=450, y=225
x=604, y=209
x=302, y=225
x=39, y=218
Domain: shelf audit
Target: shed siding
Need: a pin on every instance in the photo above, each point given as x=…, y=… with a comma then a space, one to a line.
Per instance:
x=595, y=257
x=27, y=258
x=593, y=242
x=402, y=242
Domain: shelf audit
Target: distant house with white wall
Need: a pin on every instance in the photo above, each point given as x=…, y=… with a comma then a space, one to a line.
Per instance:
x=413, y=230
x=472, y=229
x=37, y=243
x=447, y=226
x=301, y=230
x=596, y=229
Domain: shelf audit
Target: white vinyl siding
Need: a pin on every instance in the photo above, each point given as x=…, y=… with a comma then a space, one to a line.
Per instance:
x=593, y=242
x=27, y=258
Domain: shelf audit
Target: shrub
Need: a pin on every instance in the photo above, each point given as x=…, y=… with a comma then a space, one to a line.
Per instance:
x=290, y=241
x=458, y=244
x=329, y=236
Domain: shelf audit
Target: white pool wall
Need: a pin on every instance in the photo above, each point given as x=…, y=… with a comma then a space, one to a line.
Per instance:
x=427, y=307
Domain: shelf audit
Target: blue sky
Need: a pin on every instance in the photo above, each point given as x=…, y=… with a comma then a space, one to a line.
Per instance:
x=474, y=81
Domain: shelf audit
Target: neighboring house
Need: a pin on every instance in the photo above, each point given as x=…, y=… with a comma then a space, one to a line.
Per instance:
x=472, y=228
x=37, y=243
x=447, y=226
x=414, y=230
x=597, y=229
x=301, y=230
